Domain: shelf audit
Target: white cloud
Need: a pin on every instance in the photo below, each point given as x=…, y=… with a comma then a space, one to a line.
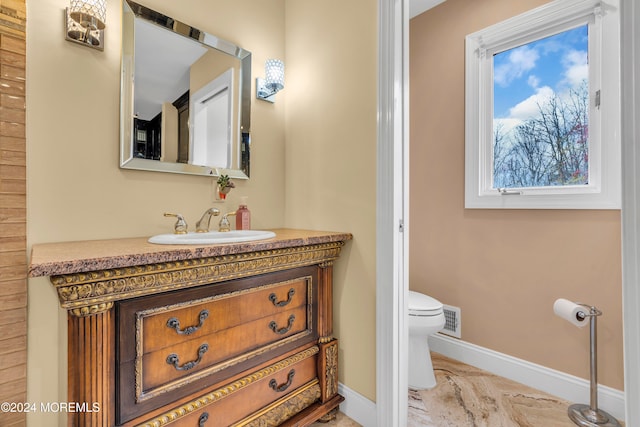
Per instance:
x=519, y=61
x=576, y=67
x=506, y=125
x=551, y=46
x=530, y=107
x=533, y=81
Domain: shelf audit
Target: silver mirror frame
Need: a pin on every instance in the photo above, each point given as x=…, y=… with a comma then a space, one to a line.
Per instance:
x=131, y=11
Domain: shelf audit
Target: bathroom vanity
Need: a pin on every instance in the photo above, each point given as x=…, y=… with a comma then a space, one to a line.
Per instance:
x=235, y=334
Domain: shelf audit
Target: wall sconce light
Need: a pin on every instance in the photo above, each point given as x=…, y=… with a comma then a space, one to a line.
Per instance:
x=85, y=22
x=273, y=81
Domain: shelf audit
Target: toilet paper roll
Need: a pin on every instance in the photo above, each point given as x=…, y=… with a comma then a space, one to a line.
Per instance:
x=569, y=311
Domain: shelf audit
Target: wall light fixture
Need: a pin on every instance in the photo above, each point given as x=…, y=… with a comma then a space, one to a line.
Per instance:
x=273, y=81
x=85, y=22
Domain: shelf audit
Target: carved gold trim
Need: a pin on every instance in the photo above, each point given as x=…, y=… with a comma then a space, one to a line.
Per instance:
x=329, y=416
x=79, y=290
x=324, y=340
x=283, y=409
x=91, y=310
x=142, y=394
x=228, y=390
x=331, y=374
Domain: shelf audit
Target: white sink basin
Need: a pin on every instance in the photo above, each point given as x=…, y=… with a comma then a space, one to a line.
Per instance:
x=211, y=237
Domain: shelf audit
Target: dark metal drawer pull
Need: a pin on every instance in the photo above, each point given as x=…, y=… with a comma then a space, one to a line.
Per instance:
x=173, y=359
x=203, y=419
x=282, y=387
x=174, y=323
x=274, y=326
x=274, y=298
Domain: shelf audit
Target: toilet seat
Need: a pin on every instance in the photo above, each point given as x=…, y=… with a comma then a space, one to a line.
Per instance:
x=423, y=305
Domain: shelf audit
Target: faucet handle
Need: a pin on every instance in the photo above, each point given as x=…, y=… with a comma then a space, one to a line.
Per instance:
x=181, y=225
x=224, y=222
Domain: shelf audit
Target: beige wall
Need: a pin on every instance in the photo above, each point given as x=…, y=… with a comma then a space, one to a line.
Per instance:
x=76, y=191
x=316, y=172
x=331, y=158
x=504, y=268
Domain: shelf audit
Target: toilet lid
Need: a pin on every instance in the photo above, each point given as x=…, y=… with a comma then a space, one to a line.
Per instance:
x=423, y=305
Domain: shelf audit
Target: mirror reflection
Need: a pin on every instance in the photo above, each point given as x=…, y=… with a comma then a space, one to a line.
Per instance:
x=185, y=98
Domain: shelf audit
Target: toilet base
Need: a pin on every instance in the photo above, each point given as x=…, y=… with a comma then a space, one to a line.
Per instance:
x=421, y=376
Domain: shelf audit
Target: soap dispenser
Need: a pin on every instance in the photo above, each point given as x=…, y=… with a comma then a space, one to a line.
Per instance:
x=243, y=216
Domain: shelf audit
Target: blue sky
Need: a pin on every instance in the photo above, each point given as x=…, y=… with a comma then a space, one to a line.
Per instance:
x=528, y=74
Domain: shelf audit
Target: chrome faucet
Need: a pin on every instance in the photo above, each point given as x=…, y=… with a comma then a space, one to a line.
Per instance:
x=202, y=226
x=181, y=225
x=224, y=222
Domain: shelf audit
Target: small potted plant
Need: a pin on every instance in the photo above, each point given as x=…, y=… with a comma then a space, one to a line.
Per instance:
x=224, y=186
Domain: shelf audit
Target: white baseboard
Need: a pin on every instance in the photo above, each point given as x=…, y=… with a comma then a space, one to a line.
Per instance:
x=357, y=407
x=560, y=384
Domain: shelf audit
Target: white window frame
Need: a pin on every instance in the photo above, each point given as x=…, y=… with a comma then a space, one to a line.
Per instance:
x=604, y=188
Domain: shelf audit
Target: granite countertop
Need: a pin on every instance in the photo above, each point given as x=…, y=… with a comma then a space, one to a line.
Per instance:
x=49, y=259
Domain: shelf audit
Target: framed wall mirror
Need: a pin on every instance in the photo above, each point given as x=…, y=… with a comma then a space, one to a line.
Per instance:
x=185, y=98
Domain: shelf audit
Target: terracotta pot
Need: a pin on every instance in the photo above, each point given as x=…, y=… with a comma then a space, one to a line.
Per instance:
x=223, y=192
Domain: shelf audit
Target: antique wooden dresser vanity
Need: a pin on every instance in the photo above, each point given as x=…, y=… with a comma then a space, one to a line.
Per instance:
x=223, y=335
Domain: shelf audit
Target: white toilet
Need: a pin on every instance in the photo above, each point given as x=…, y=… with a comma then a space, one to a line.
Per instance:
x=426, y=317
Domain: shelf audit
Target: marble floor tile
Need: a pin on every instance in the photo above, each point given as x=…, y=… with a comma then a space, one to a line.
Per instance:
x=467, y=396
x=470, y=397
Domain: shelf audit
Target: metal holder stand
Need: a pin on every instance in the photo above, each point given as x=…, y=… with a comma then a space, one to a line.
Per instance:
x=590, y=415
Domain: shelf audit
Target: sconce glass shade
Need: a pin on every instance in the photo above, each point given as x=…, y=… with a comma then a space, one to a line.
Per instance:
x=274, y=75
x=273, y=81
x=86, y=21
x=90, y=14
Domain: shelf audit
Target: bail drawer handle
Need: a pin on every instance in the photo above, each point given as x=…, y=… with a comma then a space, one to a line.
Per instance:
x=274, y=326
x=173, y=359
x=174, y=323
x=274, y=298
x=282, y=387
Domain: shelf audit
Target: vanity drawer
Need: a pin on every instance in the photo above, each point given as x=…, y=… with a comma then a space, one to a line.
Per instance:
x=172, y=325
x=229, y=404
x=161, y=368
x=173, y=345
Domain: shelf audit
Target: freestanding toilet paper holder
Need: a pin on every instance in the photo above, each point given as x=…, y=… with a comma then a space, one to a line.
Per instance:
x=590, y=415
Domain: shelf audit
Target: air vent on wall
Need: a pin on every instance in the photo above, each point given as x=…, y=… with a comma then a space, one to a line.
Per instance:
x=453, y=321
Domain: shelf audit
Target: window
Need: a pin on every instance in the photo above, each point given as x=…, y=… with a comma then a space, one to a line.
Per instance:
x=543, y=109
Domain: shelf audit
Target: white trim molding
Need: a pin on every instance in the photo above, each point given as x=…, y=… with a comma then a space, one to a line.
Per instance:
x=631, y=205
x=392, y=289
x=357, y=407
x=560, y=384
